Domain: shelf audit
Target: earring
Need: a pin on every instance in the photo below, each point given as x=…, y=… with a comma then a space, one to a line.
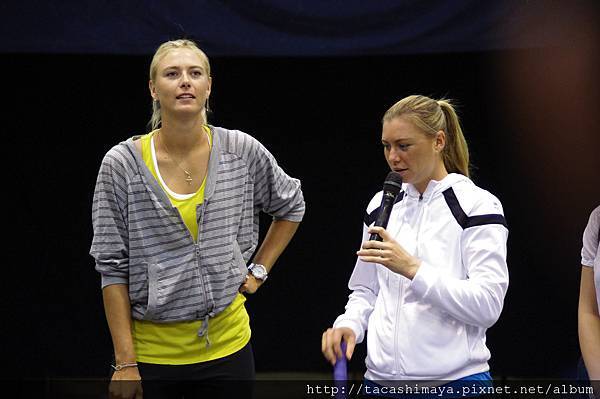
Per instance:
x=207, y=106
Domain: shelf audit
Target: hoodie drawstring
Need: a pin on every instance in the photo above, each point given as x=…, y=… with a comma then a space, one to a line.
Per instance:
x=203, y=331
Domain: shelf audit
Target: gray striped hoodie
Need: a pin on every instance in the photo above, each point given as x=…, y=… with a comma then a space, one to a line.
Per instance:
x=140, y=239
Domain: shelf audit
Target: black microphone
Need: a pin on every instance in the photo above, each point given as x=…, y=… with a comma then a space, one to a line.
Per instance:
x=391, y=187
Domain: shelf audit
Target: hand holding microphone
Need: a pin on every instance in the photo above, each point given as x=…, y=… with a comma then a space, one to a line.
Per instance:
x=381, y=247
x=391, y=187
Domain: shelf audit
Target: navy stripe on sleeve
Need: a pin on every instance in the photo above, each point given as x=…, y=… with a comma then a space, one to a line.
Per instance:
x=470, y=221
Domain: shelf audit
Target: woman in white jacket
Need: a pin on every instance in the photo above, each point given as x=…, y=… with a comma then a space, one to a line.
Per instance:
x=429, y=290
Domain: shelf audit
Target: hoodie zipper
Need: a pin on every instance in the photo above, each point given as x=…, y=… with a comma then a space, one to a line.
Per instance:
x=397, y=367
x=420, y=215
x=401, y=285
x=204, y=295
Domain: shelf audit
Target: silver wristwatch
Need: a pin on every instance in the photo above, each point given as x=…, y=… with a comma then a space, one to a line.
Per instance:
x=258, y=271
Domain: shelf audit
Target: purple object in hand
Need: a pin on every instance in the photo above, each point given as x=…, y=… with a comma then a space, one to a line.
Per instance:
x=340, y=370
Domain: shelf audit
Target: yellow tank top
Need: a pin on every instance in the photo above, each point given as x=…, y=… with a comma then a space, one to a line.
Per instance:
x=178, y=343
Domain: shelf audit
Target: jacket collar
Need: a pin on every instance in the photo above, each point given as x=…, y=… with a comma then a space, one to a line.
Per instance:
x=213, y=161
x=434, y=187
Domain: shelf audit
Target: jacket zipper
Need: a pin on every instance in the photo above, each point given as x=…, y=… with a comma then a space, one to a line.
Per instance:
x=197, y=244
x=420, y=220
x=401, y=296
x=397, y=366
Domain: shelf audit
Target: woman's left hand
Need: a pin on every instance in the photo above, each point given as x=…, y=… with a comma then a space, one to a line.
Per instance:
x=250, y=285
x=389, y=253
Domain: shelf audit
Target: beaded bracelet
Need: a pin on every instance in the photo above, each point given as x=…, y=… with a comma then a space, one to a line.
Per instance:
x=121, y=366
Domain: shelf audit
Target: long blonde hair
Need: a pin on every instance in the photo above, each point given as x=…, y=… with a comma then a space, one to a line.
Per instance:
x=431, y=116
x=162, y=50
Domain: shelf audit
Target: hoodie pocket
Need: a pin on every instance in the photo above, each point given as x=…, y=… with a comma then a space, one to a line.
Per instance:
x=151, y=309
x=143, y=291
x=238, y=264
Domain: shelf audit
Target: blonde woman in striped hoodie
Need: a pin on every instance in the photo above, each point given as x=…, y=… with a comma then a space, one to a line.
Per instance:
x=175, y=217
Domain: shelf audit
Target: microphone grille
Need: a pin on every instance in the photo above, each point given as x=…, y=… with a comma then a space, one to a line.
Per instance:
x=393, y=182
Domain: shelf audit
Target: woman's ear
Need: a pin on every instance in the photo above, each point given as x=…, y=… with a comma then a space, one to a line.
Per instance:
x=440, y=141
x=152, y=90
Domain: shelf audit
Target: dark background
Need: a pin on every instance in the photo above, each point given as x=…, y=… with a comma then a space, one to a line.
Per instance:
x=530, y=116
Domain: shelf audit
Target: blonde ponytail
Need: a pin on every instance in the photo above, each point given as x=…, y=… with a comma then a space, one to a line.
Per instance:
x=456, y=152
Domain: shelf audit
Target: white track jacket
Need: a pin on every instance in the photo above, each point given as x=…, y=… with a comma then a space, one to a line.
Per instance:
x=433, y=327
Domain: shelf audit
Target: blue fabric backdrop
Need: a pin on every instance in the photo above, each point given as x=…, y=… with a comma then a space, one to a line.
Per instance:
x=270, y=27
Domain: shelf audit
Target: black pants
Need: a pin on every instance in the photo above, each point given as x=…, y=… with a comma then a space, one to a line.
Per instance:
x=228, y=377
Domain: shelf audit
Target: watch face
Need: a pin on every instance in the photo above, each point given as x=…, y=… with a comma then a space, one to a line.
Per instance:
x=259, y=272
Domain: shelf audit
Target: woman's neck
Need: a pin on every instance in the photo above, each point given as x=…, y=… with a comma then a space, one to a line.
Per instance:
x=438, y=174
x=182, y=136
